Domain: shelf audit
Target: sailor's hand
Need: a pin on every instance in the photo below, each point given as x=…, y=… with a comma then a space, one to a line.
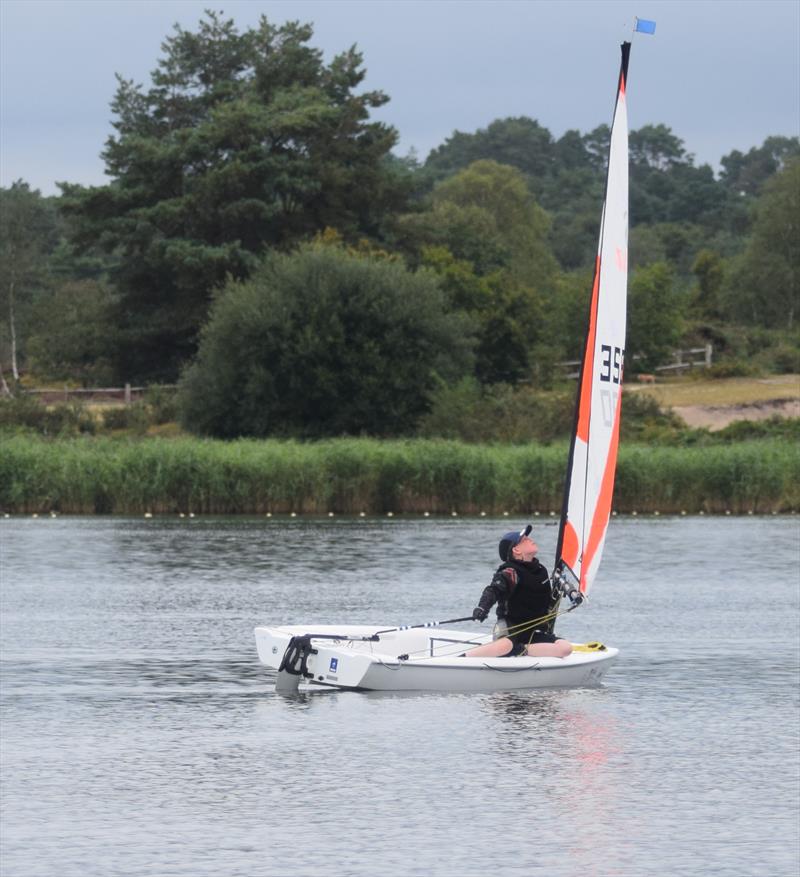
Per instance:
x=479, y=613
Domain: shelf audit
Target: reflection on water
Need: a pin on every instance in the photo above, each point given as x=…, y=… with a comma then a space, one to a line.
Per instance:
x=140, y=735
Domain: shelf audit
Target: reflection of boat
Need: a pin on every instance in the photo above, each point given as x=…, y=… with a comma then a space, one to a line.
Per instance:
x=417, y=658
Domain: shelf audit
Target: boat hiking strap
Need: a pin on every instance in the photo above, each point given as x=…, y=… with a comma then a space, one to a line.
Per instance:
x=588, y=647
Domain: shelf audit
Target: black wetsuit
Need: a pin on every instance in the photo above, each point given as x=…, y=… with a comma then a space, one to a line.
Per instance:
x=522, y=593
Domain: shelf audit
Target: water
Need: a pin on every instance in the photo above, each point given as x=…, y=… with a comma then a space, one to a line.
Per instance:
x=141, y=737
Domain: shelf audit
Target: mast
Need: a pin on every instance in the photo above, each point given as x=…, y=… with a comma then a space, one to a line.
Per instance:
x=591, y=466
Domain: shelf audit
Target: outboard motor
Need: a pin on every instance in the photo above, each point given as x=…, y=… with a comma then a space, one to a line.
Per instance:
x=294, y=665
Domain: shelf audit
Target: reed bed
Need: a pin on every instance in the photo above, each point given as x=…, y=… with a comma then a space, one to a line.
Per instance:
x=349, y=476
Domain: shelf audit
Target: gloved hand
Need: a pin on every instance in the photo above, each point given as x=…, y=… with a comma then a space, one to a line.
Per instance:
x=479, y=613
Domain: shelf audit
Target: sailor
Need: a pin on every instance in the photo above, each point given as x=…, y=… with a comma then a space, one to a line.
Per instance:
x=521, y=588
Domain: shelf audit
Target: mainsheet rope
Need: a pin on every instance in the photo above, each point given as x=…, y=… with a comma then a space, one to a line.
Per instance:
x=514, y=630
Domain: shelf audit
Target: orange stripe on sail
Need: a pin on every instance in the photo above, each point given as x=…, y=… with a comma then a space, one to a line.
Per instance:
x=588, y=361
x=603, y=508
x=570, y=545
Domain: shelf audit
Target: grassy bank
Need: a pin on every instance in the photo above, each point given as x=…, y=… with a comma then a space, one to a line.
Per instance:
x=690, y=390
x=348, y=476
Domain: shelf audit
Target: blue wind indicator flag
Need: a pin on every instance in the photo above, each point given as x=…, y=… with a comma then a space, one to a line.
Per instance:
x=645, y=26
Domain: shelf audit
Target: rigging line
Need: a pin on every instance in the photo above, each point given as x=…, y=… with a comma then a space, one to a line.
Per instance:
x=514, y=630
x=533, y=622
x=518, y=628
x=454, y=649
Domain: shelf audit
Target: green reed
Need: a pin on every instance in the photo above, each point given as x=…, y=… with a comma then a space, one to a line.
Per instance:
x=348, y=476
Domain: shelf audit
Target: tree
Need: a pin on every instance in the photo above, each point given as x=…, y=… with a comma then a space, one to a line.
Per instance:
x=655, y=146
x=72, y=335
x=487, y=238
x=244, y=141
x=519, y=142
x=746, y=173
x=28, y=232
x=709, y=271
x=323, y=342
x=519, y=224
x=764, y=287
x=655, y=317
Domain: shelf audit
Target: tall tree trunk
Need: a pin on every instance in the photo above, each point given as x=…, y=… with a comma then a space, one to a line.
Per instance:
x=13, y=329
x=4, y=391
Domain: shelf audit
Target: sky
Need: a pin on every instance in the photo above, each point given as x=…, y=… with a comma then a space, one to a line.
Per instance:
x=722, y=74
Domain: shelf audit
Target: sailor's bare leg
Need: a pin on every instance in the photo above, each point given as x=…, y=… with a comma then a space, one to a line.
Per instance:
x=495, y=649
x=559, y=649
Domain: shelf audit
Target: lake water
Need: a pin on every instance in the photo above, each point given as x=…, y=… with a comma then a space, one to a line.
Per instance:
x=140, y=736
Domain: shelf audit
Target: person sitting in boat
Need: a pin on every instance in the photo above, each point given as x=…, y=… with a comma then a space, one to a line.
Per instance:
x=521, y=589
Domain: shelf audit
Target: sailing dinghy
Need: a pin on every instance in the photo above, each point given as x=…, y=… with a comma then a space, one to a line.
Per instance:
x=417, y=658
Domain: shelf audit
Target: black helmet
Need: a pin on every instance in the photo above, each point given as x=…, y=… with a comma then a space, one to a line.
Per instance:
x=510, y=540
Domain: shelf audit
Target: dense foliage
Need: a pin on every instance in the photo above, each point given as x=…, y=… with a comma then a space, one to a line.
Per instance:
x=244, y=141
x=322, y=342
x=28, y=234
x=246, y=145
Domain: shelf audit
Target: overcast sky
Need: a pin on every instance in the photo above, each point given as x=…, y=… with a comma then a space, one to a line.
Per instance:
x=722, y=74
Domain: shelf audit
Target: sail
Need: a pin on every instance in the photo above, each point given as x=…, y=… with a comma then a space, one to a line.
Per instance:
x=593, y=453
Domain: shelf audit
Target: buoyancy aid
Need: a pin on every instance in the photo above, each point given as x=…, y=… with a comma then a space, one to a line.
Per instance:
x=521, y=590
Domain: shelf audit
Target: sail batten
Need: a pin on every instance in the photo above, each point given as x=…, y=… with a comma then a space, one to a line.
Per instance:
x=593, y=452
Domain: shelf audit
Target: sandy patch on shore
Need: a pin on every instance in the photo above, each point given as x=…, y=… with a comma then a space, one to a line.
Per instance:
x=718, y=416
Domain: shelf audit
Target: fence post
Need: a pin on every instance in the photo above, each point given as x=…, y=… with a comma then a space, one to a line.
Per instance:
x=709, y=348
x=127, y=394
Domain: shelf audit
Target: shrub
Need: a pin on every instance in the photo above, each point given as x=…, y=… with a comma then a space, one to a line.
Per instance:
x=643, y=420
x=783, y=359
x=772, y=428
x=322, y=342
x=135, y=417
x=498, y=413
x=26, y=413
x=735, y=368
x=163, y=404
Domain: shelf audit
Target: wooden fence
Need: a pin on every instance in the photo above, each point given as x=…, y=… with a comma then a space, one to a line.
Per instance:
x=126, y=394
x=682, y=360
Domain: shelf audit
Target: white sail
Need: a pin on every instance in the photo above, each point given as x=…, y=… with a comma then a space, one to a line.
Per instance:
x=593, y=454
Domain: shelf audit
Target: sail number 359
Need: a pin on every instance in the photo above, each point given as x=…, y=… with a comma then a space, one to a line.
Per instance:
x=611, y=362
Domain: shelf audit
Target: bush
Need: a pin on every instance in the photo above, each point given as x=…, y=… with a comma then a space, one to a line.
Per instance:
x=772, y=428
x=498, y=413
x=163, y=404
x=135, y=417
x=783, y=359
x=322, y=342
x=26, y=413
x=742, y=351
x=735, y=368
x=643, y=420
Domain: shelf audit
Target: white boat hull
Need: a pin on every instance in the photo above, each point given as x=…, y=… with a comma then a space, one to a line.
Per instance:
x=418, y=660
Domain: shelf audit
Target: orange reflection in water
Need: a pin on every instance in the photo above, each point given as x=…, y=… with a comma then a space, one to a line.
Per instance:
x=566, y=748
